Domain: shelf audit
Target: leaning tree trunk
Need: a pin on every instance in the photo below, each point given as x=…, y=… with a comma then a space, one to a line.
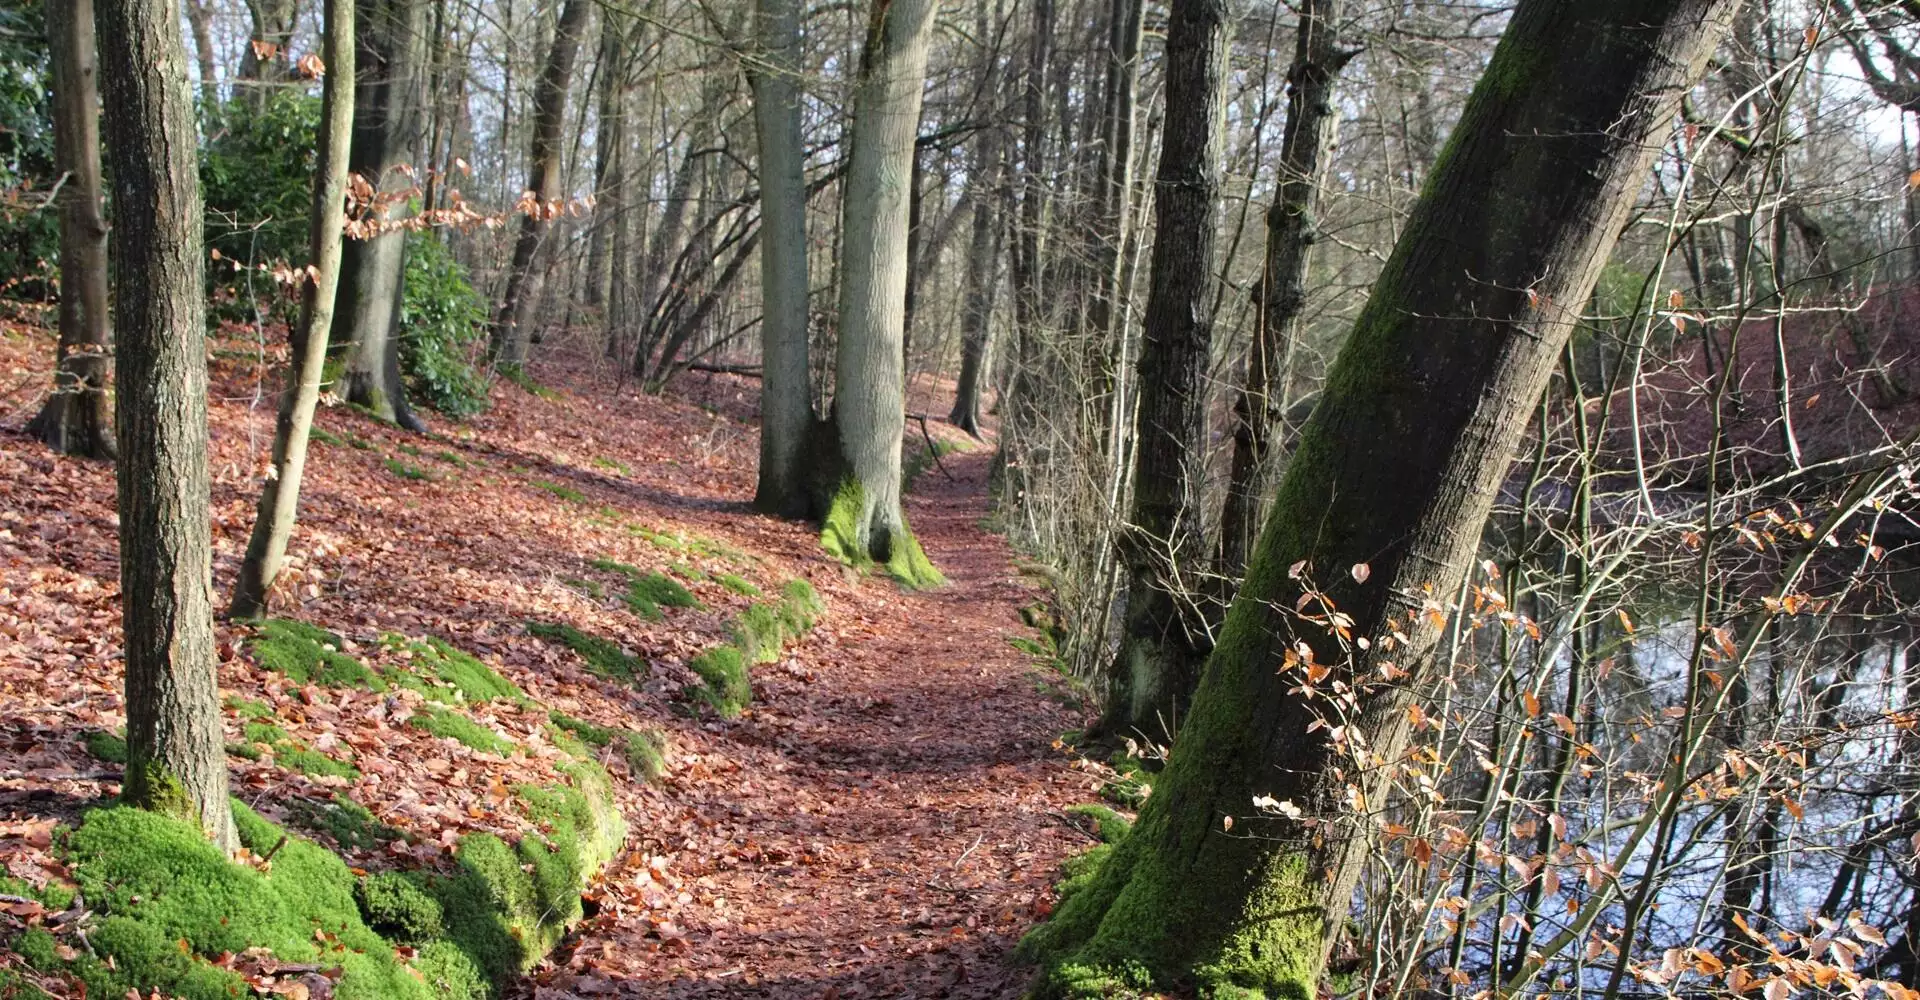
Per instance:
x=75, y=418
x=864, y=521
x=544, y=176
x=280, y=494
x=176, y=754
x=1162, y=644
x=1305, y=154
x=786, y=399
x=1396, y=472
x=389, y=102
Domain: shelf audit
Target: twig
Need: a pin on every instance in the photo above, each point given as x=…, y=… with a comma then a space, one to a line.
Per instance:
x=1075, y=827
x=931, y=449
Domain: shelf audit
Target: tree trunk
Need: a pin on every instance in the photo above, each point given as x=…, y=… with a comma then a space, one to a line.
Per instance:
x=544, y=170
x=864, y=521
x=280, y=495
x=75, y=419
x=1162, y=642
x=176, y=756
x=987, y=172
x=1305, y=154
x=786, y=400
x=608, y=161
x=389, y=101
x=1395, y=471
x=201, y=24
x=264, y=60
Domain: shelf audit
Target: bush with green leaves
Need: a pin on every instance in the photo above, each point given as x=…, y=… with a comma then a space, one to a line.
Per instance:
x=256, y=170
x=441, y=320
x=27, y=237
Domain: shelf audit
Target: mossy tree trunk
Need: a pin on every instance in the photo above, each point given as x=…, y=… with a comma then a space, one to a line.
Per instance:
x=1306, y=152
x=389, y=100
x=176, y=757
x=75, y=419
x=545, y=173
x=1396, y=470
x=864, y=521
x=786, y=397
x=1162, y=644
x=280, y=494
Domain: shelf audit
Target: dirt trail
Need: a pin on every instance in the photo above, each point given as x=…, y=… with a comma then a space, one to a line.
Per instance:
x=892, y=804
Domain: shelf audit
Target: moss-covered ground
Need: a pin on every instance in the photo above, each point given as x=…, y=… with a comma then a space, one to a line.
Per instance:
x=758, y=635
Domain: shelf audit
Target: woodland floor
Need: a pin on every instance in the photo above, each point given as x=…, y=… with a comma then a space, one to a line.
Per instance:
x=884, y=821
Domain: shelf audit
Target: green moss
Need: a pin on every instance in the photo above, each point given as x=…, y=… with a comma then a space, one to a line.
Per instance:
x=615, y=566
x=661, y=590
x=265, y=732
x=453, y=459
x=109, y=747
x=309, y=761
x=1110, y=826
x=646, y=753
x=245, y=751
x=566, y=493
x=591, y=588
x=398, y=907
x=324, y=436
x=309, y=655
x=405, y=471
x=758, y=634
x=518, y=376
x=608, y=463
x=169, y=901
x=800, y=606
x=14, y=986
x=603, y=658
x=457, y=726
x=657, y=539
x=726, y=686
x=346, y=822
x=686, y=572
x=248, y=708
x=738, y=585
x=449, y=674
x=841, y=536
x=583, y=730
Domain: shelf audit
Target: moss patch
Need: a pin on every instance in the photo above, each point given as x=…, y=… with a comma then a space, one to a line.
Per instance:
x=167, y=901
x=840, y=536
x=1109, y=826
x=738, y=585
x=723, y=671
x=457, y=726
x=602, y=657
x=646, y=595
x=109, y=747
x=566, y=493
x=309, y=655
x=348, y=823
x=448, y=674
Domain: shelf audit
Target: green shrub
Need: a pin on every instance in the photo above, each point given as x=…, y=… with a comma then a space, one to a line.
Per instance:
x=441, y=320
x=256, y=170
x=29, y=239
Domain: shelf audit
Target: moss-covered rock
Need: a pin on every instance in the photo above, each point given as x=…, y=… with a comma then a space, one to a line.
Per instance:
x=309, y=655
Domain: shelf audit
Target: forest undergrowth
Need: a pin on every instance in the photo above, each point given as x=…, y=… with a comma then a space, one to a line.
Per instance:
x=828, y=786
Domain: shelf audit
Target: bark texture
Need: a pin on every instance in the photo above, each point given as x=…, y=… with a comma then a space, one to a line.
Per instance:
x=864, y=522
x=1305, y=153
x=389, y=102
x=786, y=400
x=280, y=494
x=1411, y=439
x=544, y=175
x=176, y=756
x=1162, y=643
x=75, y=419
x=264, y=60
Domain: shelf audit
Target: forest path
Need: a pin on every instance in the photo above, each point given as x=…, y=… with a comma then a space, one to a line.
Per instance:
x=891, y=805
